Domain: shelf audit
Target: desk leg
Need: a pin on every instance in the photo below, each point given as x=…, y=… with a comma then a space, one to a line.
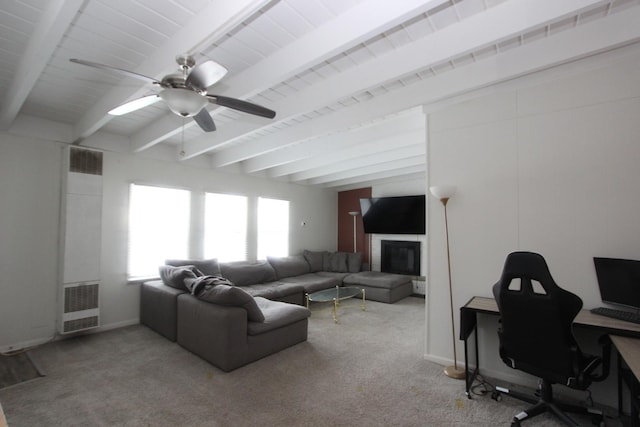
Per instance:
x=634, y=396
x=619, y=386
x=470, y=376
x=467, y=374
x=628, y=378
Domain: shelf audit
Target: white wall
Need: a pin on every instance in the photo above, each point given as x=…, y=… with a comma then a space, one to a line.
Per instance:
x=30, y=176
x=551, y=168
x=29, y=217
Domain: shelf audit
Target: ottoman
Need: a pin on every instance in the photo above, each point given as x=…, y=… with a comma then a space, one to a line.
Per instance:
x=382, y=287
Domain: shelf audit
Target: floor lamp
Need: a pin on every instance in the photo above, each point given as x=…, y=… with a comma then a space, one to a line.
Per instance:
x=444, y=193
x=354, y=214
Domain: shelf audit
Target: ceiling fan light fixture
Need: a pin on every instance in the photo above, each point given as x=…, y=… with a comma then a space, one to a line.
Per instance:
x=183, y=102
x=134, y=105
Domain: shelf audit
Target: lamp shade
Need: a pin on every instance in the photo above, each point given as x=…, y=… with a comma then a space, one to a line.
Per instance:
x=184, y=102
x=443, y=191
x=354, y=213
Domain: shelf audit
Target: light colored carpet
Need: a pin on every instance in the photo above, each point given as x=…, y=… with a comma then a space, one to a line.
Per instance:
x=368, y=370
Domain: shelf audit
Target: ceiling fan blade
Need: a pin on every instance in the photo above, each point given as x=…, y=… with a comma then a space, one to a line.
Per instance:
x=115, y=70
x=204, y=75
x=136, y=104
x=205, y=121
x=240, y=105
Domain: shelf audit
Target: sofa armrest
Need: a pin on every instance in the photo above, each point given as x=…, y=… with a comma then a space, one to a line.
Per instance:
x=214, y=332
x=158, y=308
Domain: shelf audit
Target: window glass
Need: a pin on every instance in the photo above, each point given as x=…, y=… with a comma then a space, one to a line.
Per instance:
x=158, y=228
x=225, y=227
x=273, y=227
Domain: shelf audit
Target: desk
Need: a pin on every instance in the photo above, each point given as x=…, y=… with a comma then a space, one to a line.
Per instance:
x=483, y=305
x=629, y=372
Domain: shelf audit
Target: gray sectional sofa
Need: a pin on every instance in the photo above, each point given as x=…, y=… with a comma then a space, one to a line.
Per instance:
x=223, y=331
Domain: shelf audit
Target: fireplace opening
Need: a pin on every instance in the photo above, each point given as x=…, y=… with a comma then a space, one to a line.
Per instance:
x=400, y=257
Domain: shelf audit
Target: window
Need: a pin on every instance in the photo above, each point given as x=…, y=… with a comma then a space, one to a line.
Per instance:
x=273, y=227
x=225, y=227
x=158, y=228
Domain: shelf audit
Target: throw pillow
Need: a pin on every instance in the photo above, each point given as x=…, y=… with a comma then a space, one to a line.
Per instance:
x=354, y=262
x=315, y=260
x=232, y=296
x=245, y=273
x=209, y=267
x=295, y=265
x=175, y=276
x=335, y=262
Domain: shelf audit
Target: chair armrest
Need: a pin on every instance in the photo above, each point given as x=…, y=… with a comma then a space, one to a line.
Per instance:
x=605, y=342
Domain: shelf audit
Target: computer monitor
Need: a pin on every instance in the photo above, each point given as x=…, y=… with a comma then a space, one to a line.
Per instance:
x=619, y=281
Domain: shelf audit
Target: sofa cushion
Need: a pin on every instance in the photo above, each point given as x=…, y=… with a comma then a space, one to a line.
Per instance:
x=276, y=315
x=354, y=262
x=293, y=265
x=232, y=296
x=208, y=267
x=244, y=273
x=174, y=276
x=335, y=262
x=376, y=279
x=313, y=282
x=314, y=259
x=274, y=290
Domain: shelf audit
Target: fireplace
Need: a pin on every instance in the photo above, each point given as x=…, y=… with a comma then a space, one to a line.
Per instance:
x=400, y=257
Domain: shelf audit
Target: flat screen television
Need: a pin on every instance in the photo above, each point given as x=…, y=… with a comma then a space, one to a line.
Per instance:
x=394, y=215
x=619, y=281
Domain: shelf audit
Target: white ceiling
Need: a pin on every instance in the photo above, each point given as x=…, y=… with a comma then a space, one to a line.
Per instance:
x=349, y=79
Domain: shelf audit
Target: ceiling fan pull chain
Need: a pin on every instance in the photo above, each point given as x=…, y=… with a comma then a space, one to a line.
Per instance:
x=182, y=153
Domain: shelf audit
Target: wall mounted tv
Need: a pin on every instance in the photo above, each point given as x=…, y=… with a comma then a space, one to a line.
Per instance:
x=394, y=215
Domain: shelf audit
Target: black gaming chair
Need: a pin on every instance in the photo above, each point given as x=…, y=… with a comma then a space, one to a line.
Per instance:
x=536, y=336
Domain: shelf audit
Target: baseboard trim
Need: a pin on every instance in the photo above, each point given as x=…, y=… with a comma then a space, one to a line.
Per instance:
x=20, y=346
x=117, y=325
x=9, y=348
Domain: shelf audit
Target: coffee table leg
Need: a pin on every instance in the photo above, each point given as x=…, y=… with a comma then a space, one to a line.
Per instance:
x=335, y=310
x=364, y=307
x=306, y=296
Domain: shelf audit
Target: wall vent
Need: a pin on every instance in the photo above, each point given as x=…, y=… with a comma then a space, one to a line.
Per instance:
x=80, y=324
x=86, y=161
x=81, y=308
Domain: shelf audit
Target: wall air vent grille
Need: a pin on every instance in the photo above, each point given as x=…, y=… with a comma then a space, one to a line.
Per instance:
x=81, y=297
x=85, y=161
x=80, y=324
x=80, y=307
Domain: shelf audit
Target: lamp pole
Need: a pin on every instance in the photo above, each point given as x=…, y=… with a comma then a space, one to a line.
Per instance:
x=354, y=214
x=444, y=193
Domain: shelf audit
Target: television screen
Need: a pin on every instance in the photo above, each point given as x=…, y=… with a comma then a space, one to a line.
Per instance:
x=619, y=281
x=394, y=215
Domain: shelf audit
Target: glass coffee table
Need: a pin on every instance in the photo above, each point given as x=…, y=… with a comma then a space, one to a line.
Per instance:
x=336, y=295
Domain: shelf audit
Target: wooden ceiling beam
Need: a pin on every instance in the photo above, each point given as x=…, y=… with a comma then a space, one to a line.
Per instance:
x=336, y=36
x=49, y=31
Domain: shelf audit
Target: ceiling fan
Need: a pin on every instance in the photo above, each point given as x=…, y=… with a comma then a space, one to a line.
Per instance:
x=185, y=92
